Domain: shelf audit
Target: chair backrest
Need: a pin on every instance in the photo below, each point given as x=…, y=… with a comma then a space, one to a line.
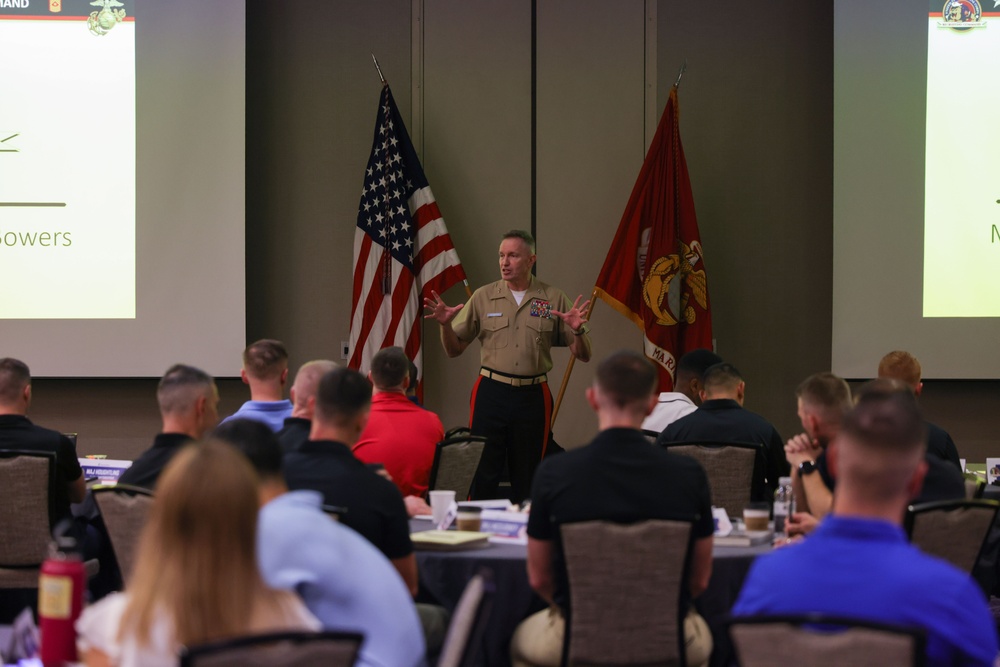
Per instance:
x=626, y=586
x=455, y=463
x=291, y=649
x=954, y=530
x=456, y=432
x=468, y=622
x=824, y=641
x=124, y=509
x=735, y=471
x=26, y=499
x=651, y=436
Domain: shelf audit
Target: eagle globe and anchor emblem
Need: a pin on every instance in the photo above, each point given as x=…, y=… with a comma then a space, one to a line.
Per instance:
x=101, y=22
x=662, y=289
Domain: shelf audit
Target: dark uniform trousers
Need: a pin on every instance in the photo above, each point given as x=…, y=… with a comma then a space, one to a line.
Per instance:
x=515, y=422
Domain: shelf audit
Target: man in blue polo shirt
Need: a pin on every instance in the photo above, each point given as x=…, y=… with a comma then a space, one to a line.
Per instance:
x=265, y=371
x=858, y=562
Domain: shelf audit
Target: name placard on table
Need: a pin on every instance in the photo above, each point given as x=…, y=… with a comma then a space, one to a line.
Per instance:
x=104, y=470
x=505, y=527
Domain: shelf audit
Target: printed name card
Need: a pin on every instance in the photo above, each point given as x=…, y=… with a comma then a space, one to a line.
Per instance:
x=992, y=469
x=506, y=527
x=723, y=526
x=105, y=470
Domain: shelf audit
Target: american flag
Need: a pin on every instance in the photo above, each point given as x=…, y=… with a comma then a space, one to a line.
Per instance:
x=402, y=250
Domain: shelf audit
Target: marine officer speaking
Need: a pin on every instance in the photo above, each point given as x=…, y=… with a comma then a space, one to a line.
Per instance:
x=517, y=320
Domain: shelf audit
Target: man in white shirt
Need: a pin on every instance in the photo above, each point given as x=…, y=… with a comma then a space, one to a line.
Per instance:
x=672, y=405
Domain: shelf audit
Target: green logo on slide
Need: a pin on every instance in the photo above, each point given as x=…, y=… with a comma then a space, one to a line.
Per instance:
x=102, y=21
x=6, y=146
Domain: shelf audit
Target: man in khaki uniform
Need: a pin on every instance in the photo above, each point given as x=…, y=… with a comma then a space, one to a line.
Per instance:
x=517, y=319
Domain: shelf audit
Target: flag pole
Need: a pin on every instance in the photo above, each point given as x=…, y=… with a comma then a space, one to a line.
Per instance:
x=468, y=290
x=375, y=60
x=677, y=83
x=569, y=367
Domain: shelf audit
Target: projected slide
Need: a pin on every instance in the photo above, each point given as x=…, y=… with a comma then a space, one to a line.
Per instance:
x=67, y=159
x=962, y=189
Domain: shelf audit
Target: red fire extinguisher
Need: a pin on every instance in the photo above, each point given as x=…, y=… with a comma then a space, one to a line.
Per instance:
x=60, y=600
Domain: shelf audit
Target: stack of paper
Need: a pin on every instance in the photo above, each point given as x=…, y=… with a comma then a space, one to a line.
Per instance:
x=449, y=540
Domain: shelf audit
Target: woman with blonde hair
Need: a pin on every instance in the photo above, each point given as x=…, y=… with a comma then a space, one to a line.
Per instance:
x=196, y=576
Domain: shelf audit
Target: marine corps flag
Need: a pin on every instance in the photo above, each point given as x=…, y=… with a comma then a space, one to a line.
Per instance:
x=654, y=273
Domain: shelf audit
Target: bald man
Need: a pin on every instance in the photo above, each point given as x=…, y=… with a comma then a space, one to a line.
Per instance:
x=303, y=394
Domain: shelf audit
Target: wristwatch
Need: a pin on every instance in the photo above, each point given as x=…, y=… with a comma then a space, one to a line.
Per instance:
x=582, y=330
x=807, y=467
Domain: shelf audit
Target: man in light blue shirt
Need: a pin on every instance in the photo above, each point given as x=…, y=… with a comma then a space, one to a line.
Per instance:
x=344, y=581
x=265, y=371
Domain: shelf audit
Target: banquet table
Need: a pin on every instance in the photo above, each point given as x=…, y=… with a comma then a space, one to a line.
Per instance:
x=444, y=575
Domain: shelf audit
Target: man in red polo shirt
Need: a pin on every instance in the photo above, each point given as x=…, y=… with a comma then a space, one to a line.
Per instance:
x=400, y=435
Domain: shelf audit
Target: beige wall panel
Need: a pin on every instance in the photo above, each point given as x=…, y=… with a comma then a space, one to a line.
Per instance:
x=590, y=149
x=312, y=98
x=756, y=107
x=476, y=154
x=756, y=119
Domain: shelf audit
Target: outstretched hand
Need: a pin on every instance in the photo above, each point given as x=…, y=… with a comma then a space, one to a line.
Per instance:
x=439, y=310
x=574, y=317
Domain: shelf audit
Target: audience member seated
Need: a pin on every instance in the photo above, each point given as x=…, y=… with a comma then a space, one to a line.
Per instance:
x=859, y=563
x=196, y=577
x=189, y=407
x=17, y=432
x=617, y=477
x=324, y=463
x=344, y=580
x=942, y=481
x=823, y=401
x=721, y=417
x=903, y=366
x=411, y=389
x=399, y=435
x=303, y=393
x=686, y=396
x=265, y=370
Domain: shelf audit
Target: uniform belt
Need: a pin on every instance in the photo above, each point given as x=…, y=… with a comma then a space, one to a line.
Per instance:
x=512, y=380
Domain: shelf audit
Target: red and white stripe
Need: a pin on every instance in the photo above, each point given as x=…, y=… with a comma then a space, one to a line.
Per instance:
x=383, y=320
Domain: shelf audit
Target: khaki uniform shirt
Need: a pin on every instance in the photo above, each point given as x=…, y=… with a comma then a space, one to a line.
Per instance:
x=515, y=339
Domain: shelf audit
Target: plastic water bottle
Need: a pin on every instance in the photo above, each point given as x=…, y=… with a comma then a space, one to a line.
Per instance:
x=783, y=502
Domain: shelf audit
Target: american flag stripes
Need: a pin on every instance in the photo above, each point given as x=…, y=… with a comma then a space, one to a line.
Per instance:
x=402, y=250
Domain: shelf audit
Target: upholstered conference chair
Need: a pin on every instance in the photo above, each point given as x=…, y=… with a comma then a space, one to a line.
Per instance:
x=456, y=460
x=735, y=471
x=954, y=530
x=124, y=509
x=818, y=640
x=625, y=592
x=26, y=480
x=289, y=649
x=468, y=622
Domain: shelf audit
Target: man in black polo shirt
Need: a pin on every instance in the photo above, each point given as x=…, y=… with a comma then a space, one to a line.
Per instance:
x=17, y=432
x=324, y=463
x=189, y=406
x=721, y=417
x=303, y=394
x=617, y=477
